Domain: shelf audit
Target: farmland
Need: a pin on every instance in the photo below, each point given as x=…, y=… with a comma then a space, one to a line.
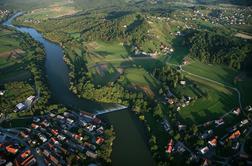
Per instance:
x=11, y=56
x=217, y=101
x=215, y=72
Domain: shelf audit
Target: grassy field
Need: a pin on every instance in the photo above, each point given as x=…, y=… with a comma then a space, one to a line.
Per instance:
x=102, y=74
x=11, y=57
x=218, y=73
x=112, y=52
x=138, y=78
x=217, y=102
x=108, y=60
x=54, y=10
x=8, y=39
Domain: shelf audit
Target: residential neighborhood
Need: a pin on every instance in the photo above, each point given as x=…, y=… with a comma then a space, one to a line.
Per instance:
x=52, y=138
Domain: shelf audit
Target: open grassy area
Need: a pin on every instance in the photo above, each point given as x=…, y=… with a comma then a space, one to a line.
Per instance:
x=108, y=60
x=112, y=52
x=12, y=63
x=57, y=9
x=102, y=74
x=218, y=73
x=138, y=78
x=217, y=101
x=9, y=40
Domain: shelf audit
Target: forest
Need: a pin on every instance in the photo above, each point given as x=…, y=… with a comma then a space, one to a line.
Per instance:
x=218, y=47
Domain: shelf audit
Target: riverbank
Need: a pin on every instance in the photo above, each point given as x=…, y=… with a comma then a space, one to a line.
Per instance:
x=128, y=138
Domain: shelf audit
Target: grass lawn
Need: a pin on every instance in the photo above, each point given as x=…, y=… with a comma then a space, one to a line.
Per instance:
x=218, y=73
x=102, y=74
x=217, y=102
x=140, y=79
x=8, y=42
x=106, y=58
x=55, y=10
x=106, y=51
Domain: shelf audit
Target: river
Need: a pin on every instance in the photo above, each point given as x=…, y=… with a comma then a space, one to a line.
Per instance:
x=130, y=146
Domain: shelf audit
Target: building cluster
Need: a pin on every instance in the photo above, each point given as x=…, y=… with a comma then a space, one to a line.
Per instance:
x=4, y=12
x=13, y=153
x=56, y=136
x=25, y=105
x=215, y=134
x=237, y=16
x=29, y=20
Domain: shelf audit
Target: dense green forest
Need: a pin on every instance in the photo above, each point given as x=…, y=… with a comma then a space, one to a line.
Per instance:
x=218, y=47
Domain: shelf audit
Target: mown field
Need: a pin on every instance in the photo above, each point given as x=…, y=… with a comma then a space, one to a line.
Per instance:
x=214, y=102
x=107, y=61
x=218, y=73
x=12, y=66
x=54, y=10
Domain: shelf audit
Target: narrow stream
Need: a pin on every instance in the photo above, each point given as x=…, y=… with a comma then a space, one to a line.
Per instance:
x=130, y=147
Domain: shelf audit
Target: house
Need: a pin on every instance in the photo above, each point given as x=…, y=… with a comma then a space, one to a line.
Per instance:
x=11, y=149
x=29, y=100
x=219, y=122
x=31, y=162
x=52, y=115
x=42, y=138
x=23, y=134
x=26, y=161
x=45, y=123
x=182, y=82
x=249, y=108
x=54, y=132
x=66, y=114
x=185, y=62
x=61, y=137
x=166, y=125
x=21, y=106
x=181, y=127
x=91, y=154
x=69, y=121
x=35, y=126
x=88, y=115
x=2, y=93
x=54, y=141
x=244, y=122
x=78, y=136
x=213, y=142
x=169, y=146
x=234, y=135
x=204, y=150
x=46, y=153
x=237, y=111
x=99, y=140
x=54, y=160
x=97, y=121
x=170, y=101
x=26, y=154
x=9, y=164
x=60, y=117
